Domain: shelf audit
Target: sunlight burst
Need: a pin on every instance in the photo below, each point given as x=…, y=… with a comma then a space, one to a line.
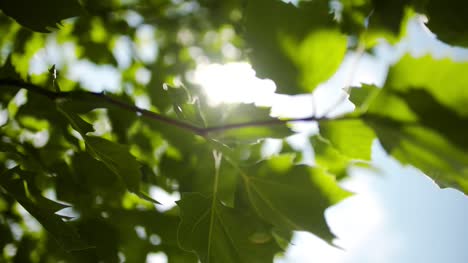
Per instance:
x=233, y=82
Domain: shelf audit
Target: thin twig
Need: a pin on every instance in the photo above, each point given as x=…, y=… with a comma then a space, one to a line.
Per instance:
x=81, y=95
x=202, y=131
x=218, y=157
x=258, y=124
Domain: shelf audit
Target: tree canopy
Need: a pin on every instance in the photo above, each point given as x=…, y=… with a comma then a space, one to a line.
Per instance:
x=68, y=144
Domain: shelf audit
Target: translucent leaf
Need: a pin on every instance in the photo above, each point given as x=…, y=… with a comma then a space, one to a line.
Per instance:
x=161, y=230
x=419, y=117
x=362, y=96
x=444, y=79
x=436, y=116
x=292, y=197
x=194, y=172
x=329, y=158
x=317, y=57
x=351, y=137
x=221, y=234
x=297, y=47
x=373, y=19
x=227, y=124
x=425, y=149
x=352, y=14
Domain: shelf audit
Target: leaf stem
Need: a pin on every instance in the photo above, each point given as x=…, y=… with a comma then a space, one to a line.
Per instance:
x=217, y=156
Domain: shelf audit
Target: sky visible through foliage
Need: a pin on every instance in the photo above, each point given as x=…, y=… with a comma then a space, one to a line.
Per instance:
x=233, y=131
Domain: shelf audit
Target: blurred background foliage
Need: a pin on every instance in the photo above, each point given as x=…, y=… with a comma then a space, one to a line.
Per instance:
x=99, y=161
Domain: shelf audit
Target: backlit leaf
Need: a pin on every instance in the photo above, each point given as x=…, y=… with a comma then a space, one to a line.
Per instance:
x=235, y=115
x=221, y=234
x=292, y=197
x=362, y=96
x=297, y=47
x=444, y=79
x=425, y=149
x=329, y=158
x=419, y=117
x=351, y=137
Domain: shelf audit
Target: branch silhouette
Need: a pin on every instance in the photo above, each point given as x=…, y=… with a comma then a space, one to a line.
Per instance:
x=202, y=131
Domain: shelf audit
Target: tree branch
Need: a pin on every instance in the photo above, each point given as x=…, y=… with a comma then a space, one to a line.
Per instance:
x=202, y=131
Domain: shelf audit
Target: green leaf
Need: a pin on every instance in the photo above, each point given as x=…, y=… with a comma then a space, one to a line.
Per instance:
x=8, y=71
x=92, y=175
x=115, y=156
x=448, y=20
x=317, y=56
x=221, y=234
x=362, y=96
x=121, y=119
x=329, y=158
x=243, y=154
x=424, y=148
x=419, y=116
x=387, y=15
x=194, y=172
x=76, y=121
x=42, y=15
x=352, y=137
x=352, y=15
x=292, y=197
x=155, y=223
x=252, y=133
x=297, y=47
x=444, y=79
x=436, y=116
x=42, y=209
x=186, y=108
x=236, y=115
x=373, y=20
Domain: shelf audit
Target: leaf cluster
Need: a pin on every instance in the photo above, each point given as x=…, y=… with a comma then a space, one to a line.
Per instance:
x=83, y=166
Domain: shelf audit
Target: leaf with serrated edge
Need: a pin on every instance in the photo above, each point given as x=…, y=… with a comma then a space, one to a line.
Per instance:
x=296, y=47
x=115, y=156
x=43, y=210
x=351, y=137
x=419, y=117
x=234, y=235
x=292, y=197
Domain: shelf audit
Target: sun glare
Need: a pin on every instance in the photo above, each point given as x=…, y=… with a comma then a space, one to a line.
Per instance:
x=233, y=82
